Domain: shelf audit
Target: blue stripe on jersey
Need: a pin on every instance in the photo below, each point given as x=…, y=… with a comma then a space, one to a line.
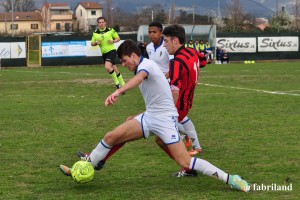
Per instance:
x=141, y=60
x=185, y=121
x=144, y=71
x=155, y=47
x=143, y=126
x=194, y=162
x=104, y=144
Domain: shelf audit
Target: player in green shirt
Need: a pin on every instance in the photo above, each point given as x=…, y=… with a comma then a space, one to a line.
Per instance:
x=105, y=38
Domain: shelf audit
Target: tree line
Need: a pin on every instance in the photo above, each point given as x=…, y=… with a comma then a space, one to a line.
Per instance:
x=235, y=20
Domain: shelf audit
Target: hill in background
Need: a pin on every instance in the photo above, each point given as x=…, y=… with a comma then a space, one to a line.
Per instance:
x=256, y=8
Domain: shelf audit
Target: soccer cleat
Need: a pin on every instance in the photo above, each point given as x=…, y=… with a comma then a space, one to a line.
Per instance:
x=183, y=172
x=194, y=151
x=186, y=140
x=65, y=170
x=236, y=182
x=85, y=156
x=118, y=86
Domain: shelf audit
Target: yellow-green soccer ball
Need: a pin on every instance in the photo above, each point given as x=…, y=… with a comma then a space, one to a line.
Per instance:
x=82, y=171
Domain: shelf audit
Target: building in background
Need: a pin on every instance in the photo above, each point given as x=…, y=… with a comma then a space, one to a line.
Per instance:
x=57, y=17
x=20, y=23
x=86, y=14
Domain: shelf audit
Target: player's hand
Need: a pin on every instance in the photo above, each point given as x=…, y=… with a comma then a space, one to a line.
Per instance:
x=98, y=42
x=111, y=99
x=110, y=41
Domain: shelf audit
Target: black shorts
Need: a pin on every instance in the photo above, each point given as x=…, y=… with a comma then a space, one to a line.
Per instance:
x=110, y=56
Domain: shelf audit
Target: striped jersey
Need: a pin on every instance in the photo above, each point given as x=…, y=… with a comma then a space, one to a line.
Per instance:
x=184, y=69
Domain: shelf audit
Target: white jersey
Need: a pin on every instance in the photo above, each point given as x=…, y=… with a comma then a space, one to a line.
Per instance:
x=156, y=90
x=160, y=55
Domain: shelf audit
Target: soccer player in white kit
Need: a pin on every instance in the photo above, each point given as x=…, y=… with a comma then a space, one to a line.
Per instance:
x=158, y=53
x=160, y=118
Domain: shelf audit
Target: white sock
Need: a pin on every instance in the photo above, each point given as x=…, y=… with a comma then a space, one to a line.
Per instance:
x=180, y=128
x=208, y=169
x=190, y=130
x=99, y=152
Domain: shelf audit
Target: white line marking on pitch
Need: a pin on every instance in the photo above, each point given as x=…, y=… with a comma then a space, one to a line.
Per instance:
x=249, y=89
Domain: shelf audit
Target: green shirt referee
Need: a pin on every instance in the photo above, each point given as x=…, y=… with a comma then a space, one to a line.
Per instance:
x=105, y=38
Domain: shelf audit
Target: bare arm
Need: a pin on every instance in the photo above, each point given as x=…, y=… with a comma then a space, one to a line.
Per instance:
x=95, y=43
x=114, y=40
x=175, y=94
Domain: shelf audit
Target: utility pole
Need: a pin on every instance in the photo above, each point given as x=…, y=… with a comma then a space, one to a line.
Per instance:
x=152, y=17
x=12, y=18
x=276, y=8
x=219, y=14
x=277, y=17
x=112, y=17
x=193, y=14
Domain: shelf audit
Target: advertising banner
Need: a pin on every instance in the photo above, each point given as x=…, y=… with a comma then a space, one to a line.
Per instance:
x=277, y=44
x=237, y=45
x=12, y=50
x=63, y=49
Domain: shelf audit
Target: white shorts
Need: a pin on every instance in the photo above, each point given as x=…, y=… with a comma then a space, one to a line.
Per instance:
x=164, y=127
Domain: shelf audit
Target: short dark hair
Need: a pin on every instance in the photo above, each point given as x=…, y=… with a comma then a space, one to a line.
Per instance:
x=127, y=48
x=101, y=18
x=175, y=31
x=156, y=24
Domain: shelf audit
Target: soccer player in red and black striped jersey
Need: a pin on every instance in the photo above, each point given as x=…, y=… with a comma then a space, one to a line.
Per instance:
x=183, y=70
x=183, y=73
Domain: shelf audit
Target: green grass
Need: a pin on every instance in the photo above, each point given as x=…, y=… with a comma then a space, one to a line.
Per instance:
x=34, y=57
x=47, y=114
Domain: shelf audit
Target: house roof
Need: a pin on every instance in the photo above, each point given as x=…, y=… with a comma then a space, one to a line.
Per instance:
x=90, y=5
x=20, y=16
x=57, y=6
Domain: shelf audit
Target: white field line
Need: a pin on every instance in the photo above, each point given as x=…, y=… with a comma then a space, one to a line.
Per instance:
x=72, y=73
x=40, y=72
x=249, y=89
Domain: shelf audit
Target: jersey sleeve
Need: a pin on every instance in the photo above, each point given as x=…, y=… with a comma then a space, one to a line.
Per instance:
x=175, y=70
x=144, y=68
x=114, y=33
x=202, y=59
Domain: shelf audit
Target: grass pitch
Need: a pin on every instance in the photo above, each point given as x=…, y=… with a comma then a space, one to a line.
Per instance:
x=247, y=118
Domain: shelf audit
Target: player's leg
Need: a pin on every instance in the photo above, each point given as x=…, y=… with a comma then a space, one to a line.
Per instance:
x=112, y=57
x=190, y=130
x=184, y=160
x=114, y=149
x=128, y=131
x=167, y=130
x=109, y=68
x=184, y=137
x=100, y=165
x=119, y=75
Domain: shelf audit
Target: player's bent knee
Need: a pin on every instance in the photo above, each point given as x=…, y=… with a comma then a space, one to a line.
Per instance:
x=111, y=138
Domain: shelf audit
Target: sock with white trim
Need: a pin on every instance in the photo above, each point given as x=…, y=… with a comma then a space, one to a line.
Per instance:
x=99, y=152
x=190, y=130
x=208, y=169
